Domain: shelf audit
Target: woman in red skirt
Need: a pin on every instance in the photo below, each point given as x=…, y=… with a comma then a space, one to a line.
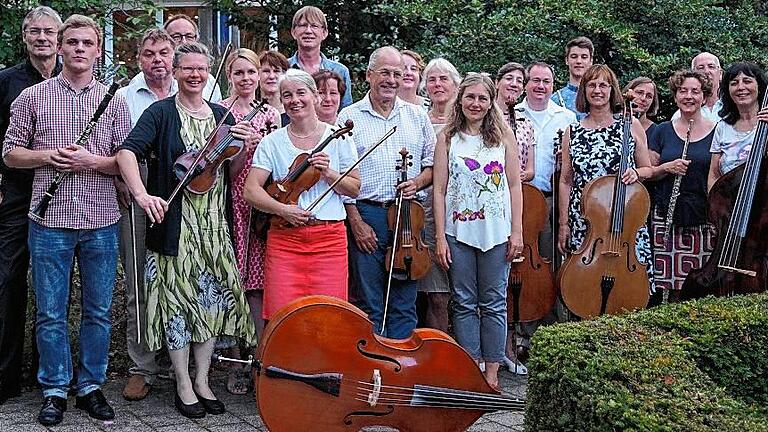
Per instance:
x=309, y=256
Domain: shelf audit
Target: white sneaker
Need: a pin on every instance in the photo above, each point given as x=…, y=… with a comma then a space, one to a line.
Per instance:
x=515, y=367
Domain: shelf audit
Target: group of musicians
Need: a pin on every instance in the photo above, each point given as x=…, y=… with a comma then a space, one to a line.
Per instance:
x=201, y=274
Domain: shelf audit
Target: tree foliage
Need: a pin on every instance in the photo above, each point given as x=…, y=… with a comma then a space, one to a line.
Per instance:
x=140, y=16
x=642, y=37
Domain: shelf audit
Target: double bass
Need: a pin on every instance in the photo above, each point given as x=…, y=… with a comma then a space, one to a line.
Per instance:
x=321, y=367
x=737, y=208
x=604, y=275
x=531, y=288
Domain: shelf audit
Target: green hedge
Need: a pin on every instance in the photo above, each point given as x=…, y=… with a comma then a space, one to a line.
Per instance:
x=696, y=366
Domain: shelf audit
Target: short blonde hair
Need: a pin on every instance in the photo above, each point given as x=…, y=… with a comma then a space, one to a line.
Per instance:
x=310, y=14
x=76, y=21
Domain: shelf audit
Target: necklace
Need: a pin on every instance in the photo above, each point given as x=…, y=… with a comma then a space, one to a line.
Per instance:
x=295, y=135
x=190, y=110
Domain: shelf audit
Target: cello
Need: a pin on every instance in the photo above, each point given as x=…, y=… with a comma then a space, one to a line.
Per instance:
x=737, y=207
x=531, y=288
x=604, y=275
x=351, y=378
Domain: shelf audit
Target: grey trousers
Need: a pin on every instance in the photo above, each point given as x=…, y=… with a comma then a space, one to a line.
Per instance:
x=144, y=361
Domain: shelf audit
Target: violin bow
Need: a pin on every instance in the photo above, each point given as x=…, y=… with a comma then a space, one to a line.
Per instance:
x=399, y=204
x=349, y=170
x=218, y=71
x=135, y=268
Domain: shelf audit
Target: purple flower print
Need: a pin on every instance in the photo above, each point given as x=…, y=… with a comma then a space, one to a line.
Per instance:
x=471, y=163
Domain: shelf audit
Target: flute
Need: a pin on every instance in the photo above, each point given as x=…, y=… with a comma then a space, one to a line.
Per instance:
x=38, y=213
x=676, y=188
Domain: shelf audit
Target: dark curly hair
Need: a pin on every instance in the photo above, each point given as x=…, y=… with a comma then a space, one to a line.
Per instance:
x=730, y=113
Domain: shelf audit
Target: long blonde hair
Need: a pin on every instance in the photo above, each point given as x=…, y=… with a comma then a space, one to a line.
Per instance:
x=493, y=126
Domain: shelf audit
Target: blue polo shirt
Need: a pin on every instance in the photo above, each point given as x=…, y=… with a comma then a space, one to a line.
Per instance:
x=328, y=64
x=566, y=98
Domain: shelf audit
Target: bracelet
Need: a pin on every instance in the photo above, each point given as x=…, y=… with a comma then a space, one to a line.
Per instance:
x=636, y=173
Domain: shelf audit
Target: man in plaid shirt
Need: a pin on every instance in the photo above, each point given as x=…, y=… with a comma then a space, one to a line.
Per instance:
x=46, y=121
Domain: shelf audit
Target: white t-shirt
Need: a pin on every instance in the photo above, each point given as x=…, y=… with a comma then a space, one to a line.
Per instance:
x=276, y=153
x=734, y=146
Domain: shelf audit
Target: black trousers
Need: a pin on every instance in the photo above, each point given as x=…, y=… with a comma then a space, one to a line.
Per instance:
x=14, y=264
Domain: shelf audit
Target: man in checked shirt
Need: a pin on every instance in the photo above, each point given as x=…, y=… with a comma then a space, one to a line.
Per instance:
x=46, y=120
x=373, y=116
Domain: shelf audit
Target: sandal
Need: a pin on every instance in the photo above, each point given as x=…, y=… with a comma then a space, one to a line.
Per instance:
x=238, y=382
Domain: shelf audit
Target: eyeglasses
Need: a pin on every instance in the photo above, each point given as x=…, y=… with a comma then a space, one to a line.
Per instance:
x=539, y=81
x=189, y=70
x=601, y=86
x=711, y=66
x=386, y=73
x=306, y=25
x=178, y=37
x=34, y=31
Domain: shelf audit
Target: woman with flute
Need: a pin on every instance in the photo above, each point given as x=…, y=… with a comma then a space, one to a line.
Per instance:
x=689, y=242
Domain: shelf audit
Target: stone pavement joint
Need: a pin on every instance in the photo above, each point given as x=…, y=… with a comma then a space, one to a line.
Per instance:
x=157, y=413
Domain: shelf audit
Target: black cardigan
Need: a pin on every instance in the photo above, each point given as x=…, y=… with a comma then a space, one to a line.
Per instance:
x=156, y=138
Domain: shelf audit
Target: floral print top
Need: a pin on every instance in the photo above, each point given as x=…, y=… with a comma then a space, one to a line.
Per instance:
x=477, y=202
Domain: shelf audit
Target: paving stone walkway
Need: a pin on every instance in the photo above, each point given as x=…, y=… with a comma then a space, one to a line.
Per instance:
x=156, y=412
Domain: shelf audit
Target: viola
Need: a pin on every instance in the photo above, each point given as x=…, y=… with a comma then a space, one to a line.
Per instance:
x=604, y=275
x=220, y=147
x=738, y=204
x=322, y=368
x=531, y=289
x=408, y=257
x=302, y=175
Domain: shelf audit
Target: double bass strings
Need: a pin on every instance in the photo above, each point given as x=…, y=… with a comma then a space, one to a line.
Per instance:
x=435, y=398
x=740, y=215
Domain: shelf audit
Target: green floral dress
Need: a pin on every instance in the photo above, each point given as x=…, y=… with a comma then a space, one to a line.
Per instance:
x=197, y=295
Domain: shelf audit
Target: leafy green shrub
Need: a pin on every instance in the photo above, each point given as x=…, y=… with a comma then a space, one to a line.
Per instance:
x=696, y=366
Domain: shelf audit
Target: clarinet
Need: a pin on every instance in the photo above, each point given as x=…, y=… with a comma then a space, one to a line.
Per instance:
x=676, y=188
x=39, y=211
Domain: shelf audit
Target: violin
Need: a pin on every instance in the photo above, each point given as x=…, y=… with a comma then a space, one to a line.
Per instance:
x=408, y=256
x=220, y=147
x=531, y=289
x=737, y=208
x=350, y=378
x=604, y=275
x=302, y=175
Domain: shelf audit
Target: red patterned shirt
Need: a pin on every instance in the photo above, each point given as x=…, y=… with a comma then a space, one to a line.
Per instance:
x=52, y=115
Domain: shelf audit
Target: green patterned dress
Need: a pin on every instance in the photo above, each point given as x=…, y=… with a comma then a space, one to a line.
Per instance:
x=197, y=295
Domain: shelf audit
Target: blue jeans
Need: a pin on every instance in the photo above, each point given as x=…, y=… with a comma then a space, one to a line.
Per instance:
x=479, y=288
x=371, y=278
x=52, y=251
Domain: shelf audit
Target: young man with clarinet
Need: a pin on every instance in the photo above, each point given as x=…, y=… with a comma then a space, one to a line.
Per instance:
x=68, y=130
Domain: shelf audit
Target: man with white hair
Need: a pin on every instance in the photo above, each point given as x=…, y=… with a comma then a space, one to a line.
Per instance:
x=708, y=64
x=374, y=116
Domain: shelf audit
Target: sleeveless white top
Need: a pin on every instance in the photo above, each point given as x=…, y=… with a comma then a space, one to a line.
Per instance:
x=477, y=203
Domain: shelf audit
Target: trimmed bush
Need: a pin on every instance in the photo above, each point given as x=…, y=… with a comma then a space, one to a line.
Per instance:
x=695, y=366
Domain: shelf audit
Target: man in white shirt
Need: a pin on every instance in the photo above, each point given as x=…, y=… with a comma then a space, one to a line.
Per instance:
x=184, y=30
x=708, y=64
x=550, y=121
x=155, y=82
x=374, y=116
